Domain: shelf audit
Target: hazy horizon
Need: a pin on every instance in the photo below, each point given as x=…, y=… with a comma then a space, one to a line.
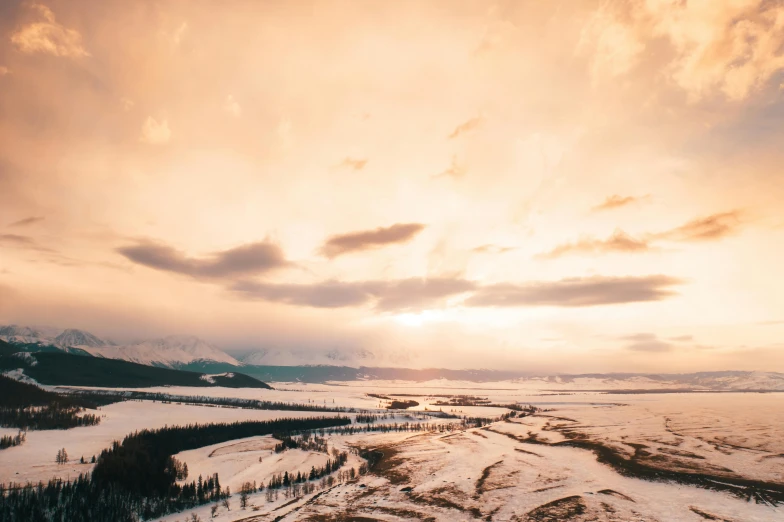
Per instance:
x=561, y=187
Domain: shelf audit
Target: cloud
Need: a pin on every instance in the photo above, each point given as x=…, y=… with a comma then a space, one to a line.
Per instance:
x=715, y=226
x=491, y=249
x=45, y=254
x=419, y=293
x=613, y=46
x=49, y=37
x=353, y=163
x=682, y=338
x=4, y=70
x=397, y=295
x=245, y=260
x=616, y=201
x=619, y=241
x=646, y=342
x=23, y=242
x=232, y=107
x=710, y=228
x=368, y=239
x=16, y=239
x=576, y=292
x=127, y=104
x=328, y=294
x=26, y=221
x=179, y=33
x=154, y=132
x=455, y=170
x=727, y=47
x=498, y=34
x=466, y=126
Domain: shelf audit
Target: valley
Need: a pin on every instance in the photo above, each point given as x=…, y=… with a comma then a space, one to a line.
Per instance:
x=580, y=455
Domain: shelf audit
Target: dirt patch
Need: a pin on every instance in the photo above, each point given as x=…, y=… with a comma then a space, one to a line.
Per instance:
x=530, y=439
x=708, y=516
x=737, y=446
x=445, y=498
x=287, y=504
x=457, y=438
x=681, y=453
x=566, y=508
x=480, y=483
x=368, y=492
x=675, y=464
x=547, y=488
x=614, y=493
x=673, y=443
x=478, y=434
x=566, y=419
x=527, y=452
x=309, y=502
x=339, y=517
x=388, y=465
x=404, y=513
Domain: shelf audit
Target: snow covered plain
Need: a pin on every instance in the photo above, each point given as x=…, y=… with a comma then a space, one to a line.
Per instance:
x=541, y=467
x=35, y=459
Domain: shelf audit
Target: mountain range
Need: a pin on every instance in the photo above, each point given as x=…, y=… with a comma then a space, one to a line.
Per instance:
x=193, y=354
x=171, y=352
x=178, y=351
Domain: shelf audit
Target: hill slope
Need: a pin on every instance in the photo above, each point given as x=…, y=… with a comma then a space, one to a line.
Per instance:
x=75, y=370
x=172, y=352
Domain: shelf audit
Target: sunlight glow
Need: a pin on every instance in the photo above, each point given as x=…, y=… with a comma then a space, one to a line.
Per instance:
x=420, y=318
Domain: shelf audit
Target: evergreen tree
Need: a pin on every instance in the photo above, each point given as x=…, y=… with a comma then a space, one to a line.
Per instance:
x=217, y=485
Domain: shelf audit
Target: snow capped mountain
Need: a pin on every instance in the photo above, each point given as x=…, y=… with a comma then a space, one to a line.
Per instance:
x=172, y=351
x=294, y=357
x=14, y=333
x=78, y=338
x=353, y=357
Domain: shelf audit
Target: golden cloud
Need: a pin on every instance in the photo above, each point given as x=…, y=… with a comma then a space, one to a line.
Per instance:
x=48, y=36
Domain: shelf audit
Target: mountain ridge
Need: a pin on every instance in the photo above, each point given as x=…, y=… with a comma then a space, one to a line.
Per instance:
x=170, y=352
x=189, y=353
x=67, y=369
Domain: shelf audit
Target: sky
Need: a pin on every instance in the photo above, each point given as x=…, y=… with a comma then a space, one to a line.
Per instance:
x=547, y=186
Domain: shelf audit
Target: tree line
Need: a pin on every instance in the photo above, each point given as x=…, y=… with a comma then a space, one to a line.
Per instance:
x=29, y=407
x=8, y=441
x=231, y=402
x=55, y=416
x=137, y=478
